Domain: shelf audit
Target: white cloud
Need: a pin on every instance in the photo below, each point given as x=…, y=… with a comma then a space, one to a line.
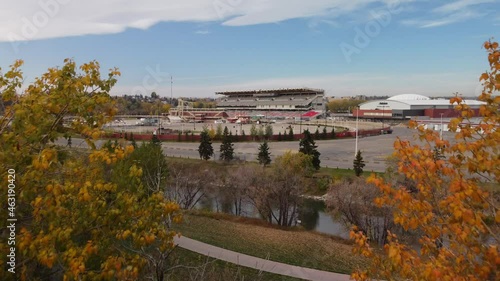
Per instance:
x=202, y=32
x=457, y=11
x=41, y=19
x=459, y=5
x=452, y=18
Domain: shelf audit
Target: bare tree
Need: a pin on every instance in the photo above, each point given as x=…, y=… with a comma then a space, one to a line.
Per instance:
x=234, y=187
x=353, y=199
x=188, y=183
x=276, y=192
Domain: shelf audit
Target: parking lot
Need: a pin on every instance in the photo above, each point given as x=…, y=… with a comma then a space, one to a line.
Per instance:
x=334, y=153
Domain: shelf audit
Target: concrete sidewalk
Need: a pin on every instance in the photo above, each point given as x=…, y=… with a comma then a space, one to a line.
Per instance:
x=258, y=263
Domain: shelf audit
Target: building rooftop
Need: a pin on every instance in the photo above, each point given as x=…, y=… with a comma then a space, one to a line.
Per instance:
x=271, y=92
x=407, y=97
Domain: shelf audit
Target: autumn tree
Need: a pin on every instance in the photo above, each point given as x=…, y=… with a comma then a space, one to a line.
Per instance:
x=205, y=148
x=264, y=156
x=276, y=192
x=261, y=132
x=352, y=200
x=253, y=131
x=358, y=164
x=150, y=159
x=226, y=147
x=308, y=146
x=455, y=206
x=343, y=105
x=268, y=132
x=74, y=219
x=218, y=132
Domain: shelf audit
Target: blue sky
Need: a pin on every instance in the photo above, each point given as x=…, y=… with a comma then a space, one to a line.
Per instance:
x=347, y=47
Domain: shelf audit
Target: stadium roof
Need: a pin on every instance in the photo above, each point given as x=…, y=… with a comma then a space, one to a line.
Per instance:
x=275, y=91
x=408, y=101
x=297, y=102
x=407, y=97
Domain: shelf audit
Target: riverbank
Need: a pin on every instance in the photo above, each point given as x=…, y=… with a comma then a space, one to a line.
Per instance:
x=256, y=238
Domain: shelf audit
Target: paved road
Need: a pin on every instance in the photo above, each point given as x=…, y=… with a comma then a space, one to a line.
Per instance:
x=334, y=153
x=258, y=263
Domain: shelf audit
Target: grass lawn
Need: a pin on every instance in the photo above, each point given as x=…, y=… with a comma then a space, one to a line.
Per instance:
x=254, y=237
x=189, y=265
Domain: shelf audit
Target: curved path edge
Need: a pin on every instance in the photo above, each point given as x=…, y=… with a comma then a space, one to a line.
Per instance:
x=258, y=263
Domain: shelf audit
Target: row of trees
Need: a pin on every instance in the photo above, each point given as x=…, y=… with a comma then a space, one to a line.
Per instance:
x=273, y=191
x=307, y=146
x=265, y=132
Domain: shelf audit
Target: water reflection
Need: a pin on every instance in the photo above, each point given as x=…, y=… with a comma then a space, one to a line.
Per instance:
x=313, y=215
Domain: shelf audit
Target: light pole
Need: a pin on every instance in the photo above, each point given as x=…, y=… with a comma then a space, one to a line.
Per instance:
x=357, y=117
x=441, y=132
x=383, y=113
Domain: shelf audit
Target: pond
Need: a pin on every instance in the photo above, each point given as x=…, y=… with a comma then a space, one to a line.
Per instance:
x=312, y=215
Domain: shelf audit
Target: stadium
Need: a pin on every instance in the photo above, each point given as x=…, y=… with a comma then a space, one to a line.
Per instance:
x=277, y=104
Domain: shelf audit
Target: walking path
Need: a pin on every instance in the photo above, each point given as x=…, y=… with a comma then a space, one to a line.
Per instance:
x=258, y=263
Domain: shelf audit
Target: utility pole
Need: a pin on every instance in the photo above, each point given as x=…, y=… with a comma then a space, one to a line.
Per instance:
x=357, y=116
x=441, y=132
x=171, y=92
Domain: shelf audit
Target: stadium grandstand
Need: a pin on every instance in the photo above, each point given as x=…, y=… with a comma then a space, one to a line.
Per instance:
x=302, y=99
x=246, y=106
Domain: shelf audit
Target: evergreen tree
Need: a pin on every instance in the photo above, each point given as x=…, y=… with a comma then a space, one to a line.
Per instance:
x=155, y=139
x=316, y=134
x=264, y=156
x=226, y=147
x=309, y=147
x=333, y=133
x=358, y=164
x=134, y=144
x=324, y=134
x=269, y=131
x=205, y=149
x=290, y=134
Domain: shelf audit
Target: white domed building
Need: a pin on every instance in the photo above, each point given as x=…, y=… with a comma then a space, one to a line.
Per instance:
x=407, y=106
